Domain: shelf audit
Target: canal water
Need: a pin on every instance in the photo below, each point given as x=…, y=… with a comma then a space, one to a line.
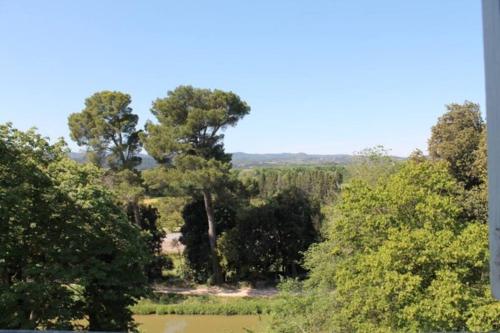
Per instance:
x=199, y=324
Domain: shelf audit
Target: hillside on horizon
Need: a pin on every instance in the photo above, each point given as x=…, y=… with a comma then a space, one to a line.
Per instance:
x=243, y=160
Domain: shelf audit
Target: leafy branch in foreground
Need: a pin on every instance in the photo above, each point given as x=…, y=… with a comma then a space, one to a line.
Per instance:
x=67, y=250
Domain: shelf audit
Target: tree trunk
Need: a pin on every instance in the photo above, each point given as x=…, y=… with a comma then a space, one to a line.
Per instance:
x=137, y=213
x=212, y=236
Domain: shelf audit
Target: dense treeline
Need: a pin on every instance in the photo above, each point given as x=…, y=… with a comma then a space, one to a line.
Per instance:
x=257, y=243
x=263, y=240
x=408, y=252
x=268, y=241
x=319, y=183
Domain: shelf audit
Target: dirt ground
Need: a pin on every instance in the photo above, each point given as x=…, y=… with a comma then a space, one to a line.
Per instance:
x=171, y=244
x=219, y=291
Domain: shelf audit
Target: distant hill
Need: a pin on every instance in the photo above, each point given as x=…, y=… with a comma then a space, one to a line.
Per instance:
x=147, y=161
x=79, y=157
x=245, y=160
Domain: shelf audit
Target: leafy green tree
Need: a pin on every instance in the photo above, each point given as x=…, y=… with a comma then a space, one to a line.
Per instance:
x=371, y=165
x=67, y=251
x=155, y=234
x=268, y=241
x=417, y=156
x=188, y=138
x=398, y=256
x=128, y=187
x=459, y=137
x=456, y=137
x=30, y=235
x=111, y=261
x=195, y=235
x=169, y=211
x=107, y=127
x=481, y=158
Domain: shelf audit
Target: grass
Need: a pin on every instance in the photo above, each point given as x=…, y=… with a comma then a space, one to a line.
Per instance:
x=176, y=276
x=204, y=305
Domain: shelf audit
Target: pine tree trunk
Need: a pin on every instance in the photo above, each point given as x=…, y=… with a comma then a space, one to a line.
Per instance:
x=212, y=236
x=137, y=213
x=134, y=212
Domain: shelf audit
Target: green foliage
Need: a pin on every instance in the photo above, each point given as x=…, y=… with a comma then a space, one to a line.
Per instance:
x=106, y=126
x=67, y=250
x=456, y=138
x=297, y=309
x=260, y=243
x=169, y=211
x=190, y=123
x=398, y=256
x=195, y=235
x=459, y=137
x=268, y=240
x=188, y=140
x=204, y=305
x=481, y=158
x=321, y=184
x=30, y=209
x=178, y=273
x=371, y=165
x=155, y=235
x=126, y=185
x=188, y=137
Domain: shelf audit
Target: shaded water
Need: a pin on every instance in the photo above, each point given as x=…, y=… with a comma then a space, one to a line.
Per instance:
x=198, y=324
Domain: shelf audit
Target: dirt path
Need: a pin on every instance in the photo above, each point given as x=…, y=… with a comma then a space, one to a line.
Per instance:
x=218, y=291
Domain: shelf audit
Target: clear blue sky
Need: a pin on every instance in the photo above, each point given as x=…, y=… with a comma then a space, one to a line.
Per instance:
x=321, y=76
